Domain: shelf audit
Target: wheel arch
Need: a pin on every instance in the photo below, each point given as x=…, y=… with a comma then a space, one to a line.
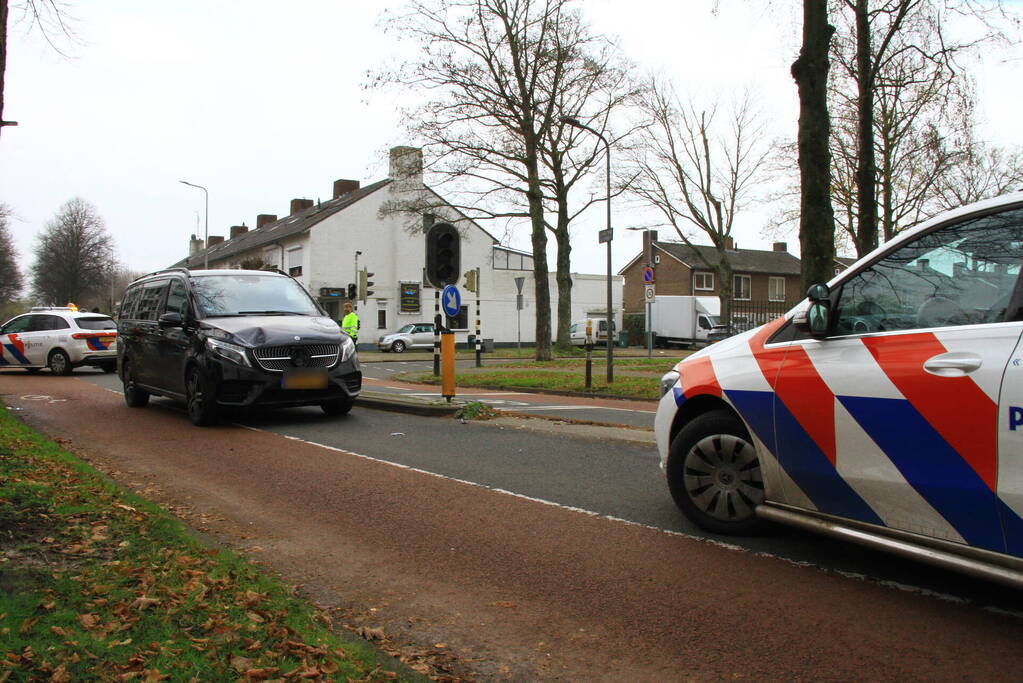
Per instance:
x=693, y=407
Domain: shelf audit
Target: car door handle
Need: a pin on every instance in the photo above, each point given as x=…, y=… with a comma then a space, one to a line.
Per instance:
x=952, y=364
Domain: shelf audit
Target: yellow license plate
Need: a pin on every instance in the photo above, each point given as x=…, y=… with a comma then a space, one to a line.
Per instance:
x=305, y=379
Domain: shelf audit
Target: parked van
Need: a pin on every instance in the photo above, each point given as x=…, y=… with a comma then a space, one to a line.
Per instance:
x=598, y=327
x=215, y=338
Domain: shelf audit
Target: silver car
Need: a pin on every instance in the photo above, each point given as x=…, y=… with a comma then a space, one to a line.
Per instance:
x=411, y=336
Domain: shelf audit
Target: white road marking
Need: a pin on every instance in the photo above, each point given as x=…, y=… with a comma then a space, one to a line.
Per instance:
x=612, y=518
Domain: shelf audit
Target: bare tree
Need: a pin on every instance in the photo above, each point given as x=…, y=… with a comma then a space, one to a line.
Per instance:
x=816, y=215
x=11, y=280
x=980, y=173
x=500, y=74
x=697, y=173
x=50, y=17
x=74, y=256
x=909, y=94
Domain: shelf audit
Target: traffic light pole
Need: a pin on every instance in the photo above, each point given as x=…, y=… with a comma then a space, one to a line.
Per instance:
x=436, y=332
x=479, y=342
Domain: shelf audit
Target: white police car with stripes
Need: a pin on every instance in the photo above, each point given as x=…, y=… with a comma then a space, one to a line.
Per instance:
x=886, y=409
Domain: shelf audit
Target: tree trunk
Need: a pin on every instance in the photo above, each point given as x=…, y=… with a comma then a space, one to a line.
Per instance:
x=816, y=216
x=866, y=166
x=726, y=290
x=564, y=277
x=542, y=289
x=3, y=56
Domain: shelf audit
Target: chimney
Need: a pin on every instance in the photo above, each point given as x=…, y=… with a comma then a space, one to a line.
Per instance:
x=299, y=205
x=781, y=246
x=343, y=187
x=649, y=237
x=238, y=230
x=264, y=218
x=729, y=244
x=215, y=240
x=195, y=245
x=406, y=163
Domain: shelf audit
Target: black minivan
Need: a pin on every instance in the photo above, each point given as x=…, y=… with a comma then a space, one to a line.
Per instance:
x=242, y=338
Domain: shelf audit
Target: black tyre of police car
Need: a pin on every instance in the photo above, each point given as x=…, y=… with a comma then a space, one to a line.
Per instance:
x=199, y=399
x=108, y=367
x=341, y=406
x=59, y=363
x=714, y=474
x=133, y=396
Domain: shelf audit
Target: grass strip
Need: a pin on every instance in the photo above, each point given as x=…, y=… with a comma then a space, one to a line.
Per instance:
x=99, y=584
x=623, y=386
x=657, y=365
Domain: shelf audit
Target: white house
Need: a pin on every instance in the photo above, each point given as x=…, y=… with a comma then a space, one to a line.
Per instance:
x=324, y=245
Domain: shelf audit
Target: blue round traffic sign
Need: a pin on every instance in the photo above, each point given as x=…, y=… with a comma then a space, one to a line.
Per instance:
x=648, y=275
x=451, y=301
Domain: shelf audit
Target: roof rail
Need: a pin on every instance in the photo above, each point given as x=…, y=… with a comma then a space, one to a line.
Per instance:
x=177, y=269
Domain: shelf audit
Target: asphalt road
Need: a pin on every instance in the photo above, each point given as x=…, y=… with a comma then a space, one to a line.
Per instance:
x=588, y=547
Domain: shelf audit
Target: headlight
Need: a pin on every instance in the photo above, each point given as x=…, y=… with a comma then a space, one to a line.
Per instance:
x=231, y=352
x=347, y=348
x=668, y=381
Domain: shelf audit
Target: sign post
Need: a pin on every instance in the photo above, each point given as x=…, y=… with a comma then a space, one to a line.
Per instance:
x=451, y=303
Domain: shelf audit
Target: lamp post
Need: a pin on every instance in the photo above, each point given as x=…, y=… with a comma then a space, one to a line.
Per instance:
x=206, y=236
x=606, y=236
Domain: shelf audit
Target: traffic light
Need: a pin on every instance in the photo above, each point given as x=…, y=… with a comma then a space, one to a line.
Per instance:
x=443, y=252
x=470, y=281
x=352, y=292
x=364, y=284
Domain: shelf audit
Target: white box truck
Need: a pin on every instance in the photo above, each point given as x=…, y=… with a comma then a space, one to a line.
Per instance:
x=685, y=320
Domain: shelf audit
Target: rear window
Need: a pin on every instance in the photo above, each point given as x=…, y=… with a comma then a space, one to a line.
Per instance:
x=99, y=322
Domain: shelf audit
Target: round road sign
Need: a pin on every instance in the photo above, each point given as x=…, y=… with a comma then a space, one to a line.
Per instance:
x=451, y=301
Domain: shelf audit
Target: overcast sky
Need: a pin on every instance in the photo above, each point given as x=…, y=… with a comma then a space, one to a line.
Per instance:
x=262, y=102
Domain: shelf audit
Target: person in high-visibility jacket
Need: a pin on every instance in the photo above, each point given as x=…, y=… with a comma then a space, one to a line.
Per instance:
x=350, y=323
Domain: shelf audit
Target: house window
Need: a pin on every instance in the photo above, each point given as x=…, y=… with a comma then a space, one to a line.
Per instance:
x=500, y=259
x=741, y=287
x=776, y=289
x=703, y=280
x=461, y=322
x=382, y=319
x=295, y=262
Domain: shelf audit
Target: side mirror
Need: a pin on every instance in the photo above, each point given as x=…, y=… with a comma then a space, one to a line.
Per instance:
x=818, y=318
x=171, y=320
x=819, y=292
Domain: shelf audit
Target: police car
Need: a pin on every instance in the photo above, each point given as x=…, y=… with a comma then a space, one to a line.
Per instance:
x=886, y=409
x=60, y=338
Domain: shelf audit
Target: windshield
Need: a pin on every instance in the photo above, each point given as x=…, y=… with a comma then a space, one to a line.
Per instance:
x=97, y=323
x=407, y=328
x=715, y=321
x=248, y=294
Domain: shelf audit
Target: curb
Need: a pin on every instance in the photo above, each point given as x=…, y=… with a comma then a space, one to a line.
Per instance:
x=397, y=403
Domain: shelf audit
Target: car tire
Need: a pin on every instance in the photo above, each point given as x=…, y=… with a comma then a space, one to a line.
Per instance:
x=133, y=396
x=108, y=367
x=199, y=400
x=714, y=474
x=59, y=363
x=341, y=406
x=398, y=347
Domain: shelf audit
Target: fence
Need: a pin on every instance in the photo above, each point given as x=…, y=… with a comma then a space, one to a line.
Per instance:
x=747, y=314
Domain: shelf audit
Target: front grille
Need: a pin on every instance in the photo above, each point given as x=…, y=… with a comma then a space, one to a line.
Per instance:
x=278, y=358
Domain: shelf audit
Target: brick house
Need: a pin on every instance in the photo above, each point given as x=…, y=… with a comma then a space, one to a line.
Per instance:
x=759, y=275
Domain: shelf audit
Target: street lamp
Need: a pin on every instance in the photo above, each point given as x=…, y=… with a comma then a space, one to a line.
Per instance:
x=647, y=326
x=206, y=237
x=605, y=236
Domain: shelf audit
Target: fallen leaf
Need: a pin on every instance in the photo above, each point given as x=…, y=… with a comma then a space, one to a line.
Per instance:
x=507, y=604
x=144, y=602
x=255, y=617
x=241, y=664
x=88, y=620
x=27, y=625
x=371, y=633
